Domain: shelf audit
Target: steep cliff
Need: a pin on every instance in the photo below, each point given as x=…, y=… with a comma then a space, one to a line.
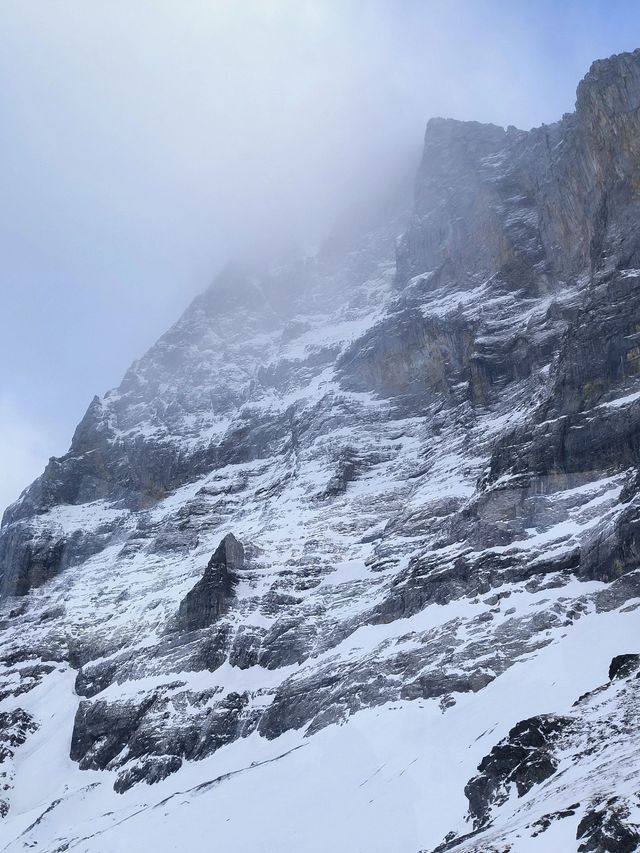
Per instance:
x=353, y=537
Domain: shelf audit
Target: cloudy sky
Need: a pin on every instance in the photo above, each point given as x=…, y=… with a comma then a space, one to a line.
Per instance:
x=143, y=142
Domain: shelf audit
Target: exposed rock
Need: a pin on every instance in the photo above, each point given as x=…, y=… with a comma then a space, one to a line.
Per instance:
x=345, y=473
x=135, y=736
x=524, y=759
x=409, y=354
x=15, y=727
x=623, y=665
x=211, y=597
x=604, y=829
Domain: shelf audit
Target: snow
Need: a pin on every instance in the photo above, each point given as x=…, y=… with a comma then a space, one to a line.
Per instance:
x=390, y=778
x=621, y=401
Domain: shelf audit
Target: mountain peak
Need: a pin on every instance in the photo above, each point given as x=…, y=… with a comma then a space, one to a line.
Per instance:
x=611, y=84
x=427, y=450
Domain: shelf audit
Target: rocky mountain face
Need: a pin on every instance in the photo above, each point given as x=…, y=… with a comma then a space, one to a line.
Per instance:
x=351, y=558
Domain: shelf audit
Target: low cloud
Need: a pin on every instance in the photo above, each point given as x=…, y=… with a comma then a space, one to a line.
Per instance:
x=143, y=142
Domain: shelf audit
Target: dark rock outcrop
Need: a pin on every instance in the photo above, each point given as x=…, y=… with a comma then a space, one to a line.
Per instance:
x=211, y=597
x=523, y=759
x=623, y=665
x=605, y=829
x=133, y=736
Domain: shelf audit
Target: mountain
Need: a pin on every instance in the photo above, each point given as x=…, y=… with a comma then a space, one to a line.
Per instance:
x=350, y=559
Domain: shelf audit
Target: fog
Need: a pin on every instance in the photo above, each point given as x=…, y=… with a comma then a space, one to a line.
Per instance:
x=142, y=144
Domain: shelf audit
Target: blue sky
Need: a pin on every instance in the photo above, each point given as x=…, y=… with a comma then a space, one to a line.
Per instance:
x=143, y=143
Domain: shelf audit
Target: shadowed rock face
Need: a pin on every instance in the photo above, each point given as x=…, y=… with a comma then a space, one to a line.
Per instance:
x=103, y=731
x=524, y=759
x=429, y=449
x=213, y=595
x=606, y=829
x=624, y=665
x=533, y=207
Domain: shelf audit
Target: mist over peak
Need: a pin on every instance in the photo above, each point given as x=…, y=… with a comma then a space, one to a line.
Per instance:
x=145, y=145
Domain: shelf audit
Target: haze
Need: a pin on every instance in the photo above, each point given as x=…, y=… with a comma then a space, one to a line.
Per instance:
x=142, y=144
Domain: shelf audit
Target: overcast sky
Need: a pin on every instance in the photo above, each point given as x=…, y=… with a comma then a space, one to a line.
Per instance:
x=143, y=143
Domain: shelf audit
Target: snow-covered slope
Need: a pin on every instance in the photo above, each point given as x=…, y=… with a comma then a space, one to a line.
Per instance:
x=353, y=537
